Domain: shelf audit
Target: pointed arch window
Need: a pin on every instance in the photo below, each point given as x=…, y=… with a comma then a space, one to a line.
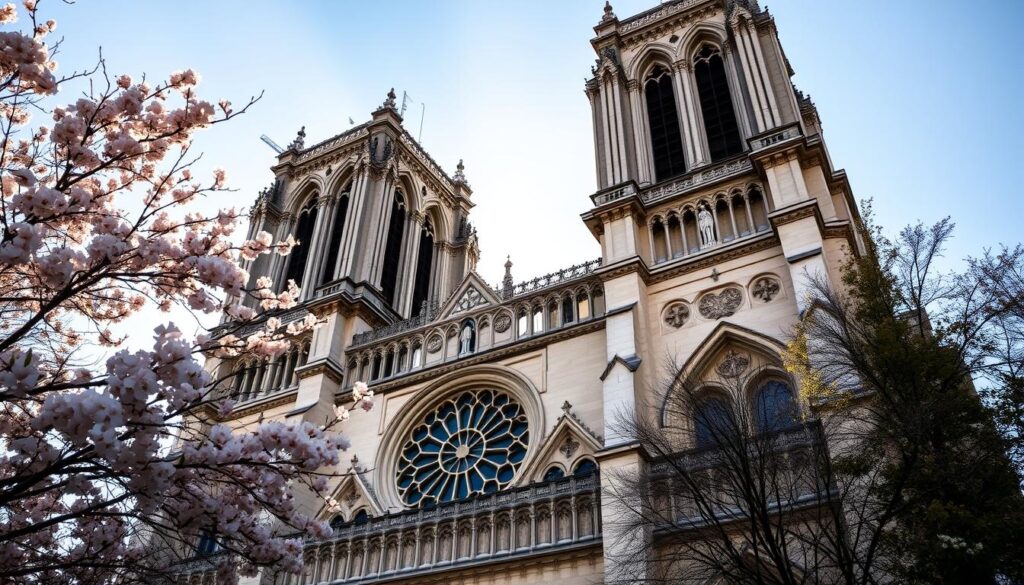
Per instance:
x=663, y=120
x=554, y=473
x=713, y=422
x=775, y=408
x=720, y=124
x=334, y=245
x=423, y=267
x=300, y=252
x=393, y=249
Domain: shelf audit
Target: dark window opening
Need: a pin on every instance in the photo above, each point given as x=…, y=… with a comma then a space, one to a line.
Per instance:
x=393, y=250
x=585, y=468
x=775, y=408
x=423, y=262
x=554, y=473
x=666, y=139
x=303, y=236
x=334, y=247
x=720, y=125
x=713, y=422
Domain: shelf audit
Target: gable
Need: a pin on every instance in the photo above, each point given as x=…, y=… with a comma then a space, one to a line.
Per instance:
x=472, y=293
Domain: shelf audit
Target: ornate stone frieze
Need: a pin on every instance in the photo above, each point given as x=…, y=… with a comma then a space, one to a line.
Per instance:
x=723, y=304
x=766, y=288
x=677, y=314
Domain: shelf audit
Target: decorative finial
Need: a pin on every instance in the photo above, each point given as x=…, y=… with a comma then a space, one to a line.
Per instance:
x=507, y=284
x=390, y=101
x=300, y=140
x=608, y=14
x=566, y=407
x=460, y=173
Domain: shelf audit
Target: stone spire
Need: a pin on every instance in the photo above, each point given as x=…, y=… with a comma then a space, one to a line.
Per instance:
x=300, y=140
x=460, y=173
x=507, y=284
x=608, y=14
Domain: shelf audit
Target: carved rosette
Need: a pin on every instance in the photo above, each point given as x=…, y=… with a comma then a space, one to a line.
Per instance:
x=502, y=323
x=733, y=364
x=766, y=288
x=723, y=304
x=677, y=314
x=434, y=344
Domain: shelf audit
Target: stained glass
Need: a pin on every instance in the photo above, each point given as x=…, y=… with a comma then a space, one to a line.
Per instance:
x=472, y=443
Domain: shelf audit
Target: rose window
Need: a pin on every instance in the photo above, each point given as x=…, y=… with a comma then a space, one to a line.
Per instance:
x=472, y=443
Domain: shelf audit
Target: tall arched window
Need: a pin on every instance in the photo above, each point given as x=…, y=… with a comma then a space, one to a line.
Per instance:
x=393, y=249
x=303, y=237
x=774, y=407
x=663, y=118
x=334, y=245
x=423, y=261
x=712, y=422
x=716, y=104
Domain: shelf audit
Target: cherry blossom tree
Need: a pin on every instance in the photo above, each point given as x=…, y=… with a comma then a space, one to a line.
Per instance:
x=112, y=468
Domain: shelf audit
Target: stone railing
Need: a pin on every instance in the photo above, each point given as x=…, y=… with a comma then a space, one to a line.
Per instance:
x=614, y=194
x=789, y=459
x=511, y=524
x=425, y=159
x=426, y=315
x=557, y=277
x=332, y=142
x=774, y=137
x=643, y=19
x=696, y=179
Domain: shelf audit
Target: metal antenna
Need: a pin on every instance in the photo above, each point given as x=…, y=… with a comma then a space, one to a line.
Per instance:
x=422, y=114
x=405, y=100
x=271, y=143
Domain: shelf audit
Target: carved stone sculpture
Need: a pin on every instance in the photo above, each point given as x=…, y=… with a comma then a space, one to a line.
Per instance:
x=733, y=364
x=434, y=344
x=677, y=314
x=766, y=288
x=723, y=304
x=706, y=225
x=466, y=340
x=502, y=323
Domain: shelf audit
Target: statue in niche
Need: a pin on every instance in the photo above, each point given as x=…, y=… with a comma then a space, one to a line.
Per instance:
x=466, y=339
x=706, y=225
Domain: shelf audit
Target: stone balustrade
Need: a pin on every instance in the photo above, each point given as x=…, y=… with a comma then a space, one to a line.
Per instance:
x=789, y=457
x=516, y=523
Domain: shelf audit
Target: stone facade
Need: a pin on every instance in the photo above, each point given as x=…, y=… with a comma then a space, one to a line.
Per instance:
x=716, y=202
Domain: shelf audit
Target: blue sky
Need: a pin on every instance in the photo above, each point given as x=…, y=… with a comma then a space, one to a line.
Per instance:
x=919, y=100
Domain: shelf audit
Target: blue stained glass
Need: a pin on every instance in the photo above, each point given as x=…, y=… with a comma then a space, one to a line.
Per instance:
x=775, y=407
x=472, y=443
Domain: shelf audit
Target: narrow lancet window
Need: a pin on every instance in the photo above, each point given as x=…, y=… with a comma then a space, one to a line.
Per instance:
x=393, y=249
x=304, y=236
x=423, y=261
x=720, y=124
x=337, y=232
x=663, y=118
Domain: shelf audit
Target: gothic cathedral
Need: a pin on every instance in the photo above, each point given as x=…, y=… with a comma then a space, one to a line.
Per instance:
x=486, y=454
